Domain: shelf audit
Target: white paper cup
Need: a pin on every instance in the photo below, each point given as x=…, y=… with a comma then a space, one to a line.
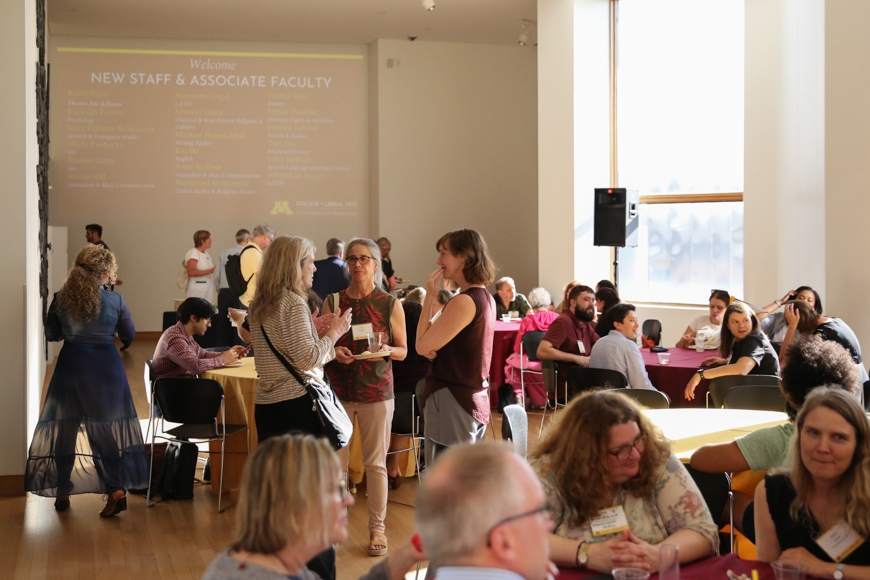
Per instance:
x=664, y=358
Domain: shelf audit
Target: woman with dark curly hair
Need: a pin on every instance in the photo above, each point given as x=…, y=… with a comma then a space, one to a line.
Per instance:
x=603, y=456
x=88, y=439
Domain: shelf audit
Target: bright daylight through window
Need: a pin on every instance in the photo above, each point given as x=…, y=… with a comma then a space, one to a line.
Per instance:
x=680, y=131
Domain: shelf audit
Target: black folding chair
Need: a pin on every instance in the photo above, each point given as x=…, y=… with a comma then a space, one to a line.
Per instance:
x=720, y=385
x=652, y=329
x=529, y=346
x=584, y=379
x=195, y=404
x=646, y=397
x=755, y=397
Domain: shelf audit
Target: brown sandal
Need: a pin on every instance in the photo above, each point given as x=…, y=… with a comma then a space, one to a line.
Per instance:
x=377, y=539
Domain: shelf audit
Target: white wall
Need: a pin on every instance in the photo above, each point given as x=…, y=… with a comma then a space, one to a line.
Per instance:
x=21, y=340
x=847, y=160
x=457, y=148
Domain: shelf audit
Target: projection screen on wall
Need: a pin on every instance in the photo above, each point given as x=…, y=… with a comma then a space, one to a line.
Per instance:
x=139, y=133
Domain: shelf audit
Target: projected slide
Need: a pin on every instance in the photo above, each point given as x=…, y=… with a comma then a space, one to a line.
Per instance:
x=165, y=133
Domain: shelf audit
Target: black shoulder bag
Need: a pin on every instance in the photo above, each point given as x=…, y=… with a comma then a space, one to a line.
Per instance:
x=337, y=426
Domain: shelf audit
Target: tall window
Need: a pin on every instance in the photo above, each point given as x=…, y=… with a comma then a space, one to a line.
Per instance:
x=679, y=87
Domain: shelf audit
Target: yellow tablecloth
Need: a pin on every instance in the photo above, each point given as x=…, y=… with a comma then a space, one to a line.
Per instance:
x=240, y=387
x=689, y=429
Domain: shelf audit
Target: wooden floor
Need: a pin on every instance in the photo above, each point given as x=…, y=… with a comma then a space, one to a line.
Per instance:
x=175, y=539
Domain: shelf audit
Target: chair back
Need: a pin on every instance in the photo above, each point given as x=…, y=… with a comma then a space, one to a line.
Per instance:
x=190, y=401
x=406, y=415
x=550, y=376
x=584, y=379
x=755, y=397
x=652, y=329
x=515, y=428
x=530, y=342
x=646, y=397
x=720, y=385
x=715, y=488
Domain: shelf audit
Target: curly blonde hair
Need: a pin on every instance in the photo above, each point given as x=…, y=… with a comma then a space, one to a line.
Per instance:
x=574, y=452
x=854, y=484
x=79, y=297
x=280, y=271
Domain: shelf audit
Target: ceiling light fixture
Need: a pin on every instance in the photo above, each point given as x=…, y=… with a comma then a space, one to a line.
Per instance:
x=526, y=33
x=429, y=5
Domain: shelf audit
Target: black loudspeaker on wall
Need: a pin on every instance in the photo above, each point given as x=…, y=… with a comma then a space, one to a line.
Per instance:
x=616, y=217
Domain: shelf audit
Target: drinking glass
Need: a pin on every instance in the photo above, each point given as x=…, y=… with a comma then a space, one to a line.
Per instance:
x=700, y=343
x=664, y=358
x=669, y=561
x=376, y=341
x=630, y=574
x=789, y=570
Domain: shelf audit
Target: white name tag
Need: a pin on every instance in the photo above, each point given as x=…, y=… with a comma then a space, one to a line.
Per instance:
x=609, y=521
x=361, y=331
x=839, y=541
x=581, y=347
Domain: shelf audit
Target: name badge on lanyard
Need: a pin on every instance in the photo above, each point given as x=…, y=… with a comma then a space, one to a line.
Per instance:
x=839, y=541
x=361, y=331
x=609, y=521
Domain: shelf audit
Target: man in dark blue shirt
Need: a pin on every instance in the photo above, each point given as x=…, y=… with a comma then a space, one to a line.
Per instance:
x=329, y=276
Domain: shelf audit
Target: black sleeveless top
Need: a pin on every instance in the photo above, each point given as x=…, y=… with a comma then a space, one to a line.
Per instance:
x=462, y=365
x=792, y=534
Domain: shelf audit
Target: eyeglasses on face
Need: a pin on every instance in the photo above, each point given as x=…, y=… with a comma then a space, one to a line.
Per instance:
x=361, y=259
x=623, y=452
x=541, y=510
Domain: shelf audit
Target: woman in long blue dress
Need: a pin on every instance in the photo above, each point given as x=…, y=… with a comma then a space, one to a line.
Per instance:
x=88, y=439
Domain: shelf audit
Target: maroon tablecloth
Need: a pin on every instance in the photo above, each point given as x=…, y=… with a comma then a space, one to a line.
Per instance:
x=714, y=568
x=502, y=347
x=673, y=377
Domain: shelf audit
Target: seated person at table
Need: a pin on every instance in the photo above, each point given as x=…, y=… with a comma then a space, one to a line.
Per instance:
x=507, y=299
x=539, y=318
x=709, y=324
x=773, y=323
x=749, y=351
x=804, y=321
x=605, y=299
x=617, y=348
x=475, y=526
x=825, y=490
x=178, y=355
x=814, y=362
x=602, y=452
x=570, y=337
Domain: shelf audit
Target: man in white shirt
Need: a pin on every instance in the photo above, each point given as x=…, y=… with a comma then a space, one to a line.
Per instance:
x=617, y=348
x=250, y=261
x=474, y=526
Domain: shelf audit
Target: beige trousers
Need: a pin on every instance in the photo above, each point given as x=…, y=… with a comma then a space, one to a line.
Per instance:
x=375, y=420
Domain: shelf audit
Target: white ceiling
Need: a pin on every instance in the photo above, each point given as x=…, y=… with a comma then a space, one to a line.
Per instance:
x=330, y=21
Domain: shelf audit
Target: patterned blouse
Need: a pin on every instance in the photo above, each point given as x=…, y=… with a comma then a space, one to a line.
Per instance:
x=675, y=504
x=369, y=380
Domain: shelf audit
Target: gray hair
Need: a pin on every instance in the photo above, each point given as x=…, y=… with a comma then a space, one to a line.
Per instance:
x=465, y=495
x=334, y=246
x=502, y=281
x=375, y=251
x=242, y=236
x=263, y=230
x=539, y=298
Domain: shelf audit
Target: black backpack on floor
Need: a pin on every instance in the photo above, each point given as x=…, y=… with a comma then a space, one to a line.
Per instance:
x=179, y=470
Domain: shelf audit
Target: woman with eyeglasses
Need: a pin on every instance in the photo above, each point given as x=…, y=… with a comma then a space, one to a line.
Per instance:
x=743, y=350
x=363, y=380
x=293, y=506
x=709, y=323
x=817, y=512
x=616, y=490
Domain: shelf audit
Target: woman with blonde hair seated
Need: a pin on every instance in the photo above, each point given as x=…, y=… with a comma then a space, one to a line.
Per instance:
x=800, y=511
x=292, y=506
x=603, y=456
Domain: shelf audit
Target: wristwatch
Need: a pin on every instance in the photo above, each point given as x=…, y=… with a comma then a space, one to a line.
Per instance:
x=583, y=555
x=838, y=573
x=701, y=373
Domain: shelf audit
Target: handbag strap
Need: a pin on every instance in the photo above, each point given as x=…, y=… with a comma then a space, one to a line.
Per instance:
x=281, y=358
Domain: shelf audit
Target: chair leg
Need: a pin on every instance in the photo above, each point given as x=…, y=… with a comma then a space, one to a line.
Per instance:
x=731, y=518
x=150, y=475
x=223, y=463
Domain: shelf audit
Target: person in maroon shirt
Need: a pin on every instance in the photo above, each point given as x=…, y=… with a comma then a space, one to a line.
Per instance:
x=458, y=342
x=567, y=333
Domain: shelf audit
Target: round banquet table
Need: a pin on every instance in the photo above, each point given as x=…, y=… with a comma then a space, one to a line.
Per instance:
x=715, y=567
x=673, y=377
x=502, y=347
